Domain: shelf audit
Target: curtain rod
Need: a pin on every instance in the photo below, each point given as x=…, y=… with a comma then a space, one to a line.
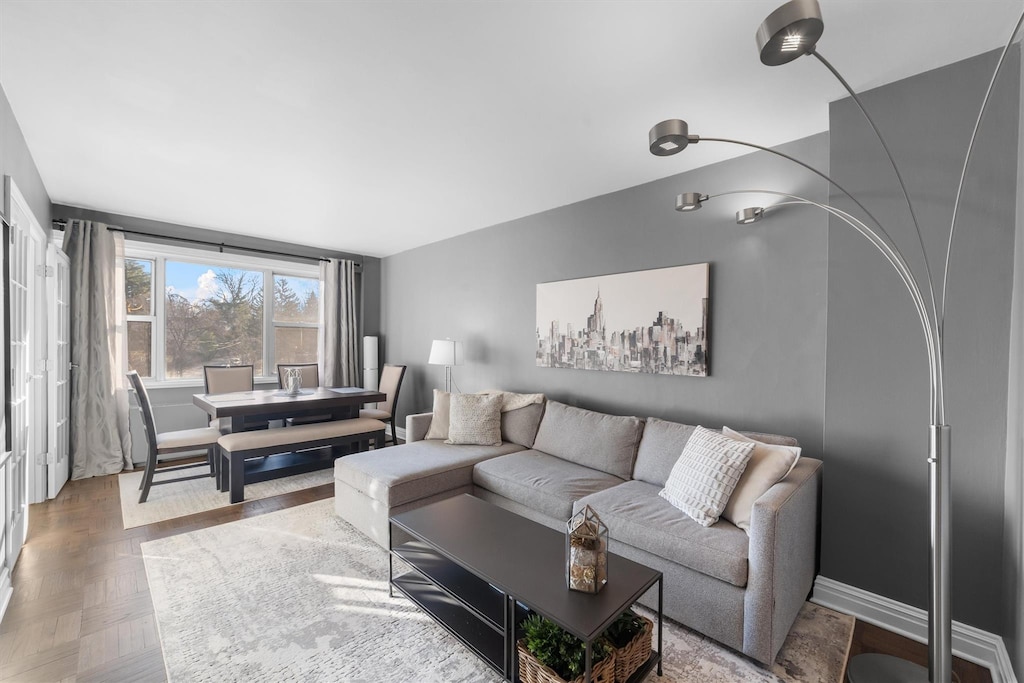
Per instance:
x=61, y=224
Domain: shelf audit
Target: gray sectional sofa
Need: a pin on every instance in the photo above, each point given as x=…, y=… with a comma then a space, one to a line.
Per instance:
x=741, y=588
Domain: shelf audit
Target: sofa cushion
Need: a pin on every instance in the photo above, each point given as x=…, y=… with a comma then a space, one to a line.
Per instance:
x=520, y=425
x=659, y=450
x=663, y=441
x=636, y=515
x=603, y=442
x=540, y=481
x=412, y=471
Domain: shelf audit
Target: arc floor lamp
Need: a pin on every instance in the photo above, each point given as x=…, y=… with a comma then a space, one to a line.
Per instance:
x=788, y=33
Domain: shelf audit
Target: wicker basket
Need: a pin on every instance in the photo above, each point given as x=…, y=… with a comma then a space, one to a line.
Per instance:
x=532, y=671
x=631, y=657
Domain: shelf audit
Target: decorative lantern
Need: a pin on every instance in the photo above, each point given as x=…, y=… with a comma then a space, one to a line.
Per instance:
x=292, y=381
x=586, y=552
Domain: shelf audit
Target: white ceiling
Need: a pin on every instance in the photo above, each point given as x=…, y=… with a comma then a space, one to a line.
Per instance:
x=375, y=127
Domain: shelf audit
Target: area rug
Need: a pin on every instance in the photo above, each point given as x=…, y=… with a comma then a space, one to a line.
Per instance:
x=301, y=595
x=198, y=495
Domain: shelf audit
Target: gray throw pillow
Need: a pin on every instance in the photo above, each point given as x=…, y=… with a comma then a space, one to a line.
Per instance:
x=475, y=419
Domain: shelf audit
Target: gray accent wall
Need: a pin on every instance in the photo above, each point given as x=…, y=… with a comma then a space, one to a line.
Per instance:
x=16, y=161
x=767, y=298
x=1013, y=562
x=875, y=496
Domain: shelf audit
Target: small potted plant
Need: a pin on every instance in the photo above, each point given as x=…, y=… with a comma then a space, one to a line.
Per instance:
x=630, y=635
x=549, y=654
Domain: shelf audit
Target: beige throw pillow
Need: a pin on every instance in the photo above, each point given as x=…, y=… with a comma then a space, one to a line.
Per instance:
x=705, y=475
x=475, y=419
x=440, y=418
x=768, y=464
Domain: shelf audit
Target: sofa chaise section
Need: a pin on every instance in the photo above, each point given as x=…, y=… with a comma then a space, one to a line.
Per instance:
x=372, y=486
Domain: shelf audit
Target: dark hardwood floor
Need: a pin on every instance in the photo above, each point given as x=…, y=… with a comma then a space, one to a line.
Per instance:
x=81, y=609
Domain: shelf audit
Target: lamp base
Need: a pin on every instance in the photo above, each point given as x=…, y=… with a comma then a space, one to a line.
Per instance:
x=876, y=668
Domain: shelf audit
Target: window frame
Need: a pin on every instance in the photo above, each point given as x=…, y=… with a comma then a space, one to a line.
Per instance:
x=159, y=254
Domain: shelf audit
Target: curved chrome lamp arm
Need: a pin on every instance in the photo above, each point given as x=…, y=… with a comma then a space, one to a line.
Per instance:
x=939, y=468
x=897, y=261
x=967, y=160
x=895, y=168
x=698, y=138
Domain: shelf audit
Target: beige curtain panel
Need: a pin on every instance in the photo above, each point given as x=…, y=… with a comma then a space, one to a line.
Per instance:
x=100, y=440
x=339, y=344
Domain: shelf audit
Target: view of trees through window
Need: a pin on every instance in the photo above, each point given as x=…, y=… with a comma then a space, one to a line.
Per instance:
x=216, y=315
x=296, y=319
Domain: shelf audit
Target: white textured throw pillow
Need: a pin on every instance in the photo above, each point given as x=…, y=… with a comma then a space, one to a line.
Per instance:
x=768, y=464
x=440, y=418
x=705, y=475
x=475, y=419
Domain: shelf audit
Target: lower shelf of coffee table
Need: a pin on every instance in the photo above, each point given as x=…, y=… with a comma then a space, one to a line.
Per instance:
x=645, y=668
x=485, y=641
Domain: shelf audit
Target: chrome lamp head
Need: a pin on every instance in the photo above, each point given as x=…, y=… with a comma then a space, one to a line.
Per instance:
x=789, y=32
x=751, y=214
x=670, y=137
x=690, y=201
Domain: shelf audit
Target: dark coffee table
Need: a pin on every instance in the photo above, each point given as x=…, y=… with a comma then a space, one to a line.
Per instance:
x=479, y=569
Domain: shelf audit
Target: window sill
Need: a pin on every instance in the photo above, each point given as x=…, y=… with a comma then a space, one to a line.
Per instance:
x=197, y=384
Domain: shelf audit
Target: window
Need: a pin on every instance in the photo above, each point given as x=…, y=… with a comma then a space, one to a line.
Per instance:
x=234, y=310
x=296, y=319
x=138, y=284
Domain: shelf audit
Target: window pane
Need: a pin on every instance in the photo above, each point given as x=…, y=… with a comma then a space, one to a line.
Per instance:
x=214, y=316
x=295, y=345
x=296, y=299
x=140, y=347
x=138, y=287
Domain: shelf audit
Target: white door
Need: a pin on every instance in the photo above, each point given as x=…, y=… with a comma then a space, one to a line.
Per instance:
x=26, y=391
x=58, y=369
x=6, y=590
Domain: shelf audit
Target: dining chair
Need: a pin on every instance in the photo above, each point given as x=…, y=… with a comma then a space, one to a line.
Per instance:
x=227, y=379
x=310, y=373
x=224, y=379
x=390, y=383
x=170, y=443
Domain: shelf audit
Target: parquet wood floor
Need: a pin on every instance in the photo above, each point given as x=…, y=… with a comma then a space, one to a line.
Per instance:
x=81, y=609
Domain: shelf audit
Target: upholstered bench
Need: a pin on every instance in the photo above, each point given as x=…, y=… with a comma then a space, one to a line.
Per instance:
x=236, y=448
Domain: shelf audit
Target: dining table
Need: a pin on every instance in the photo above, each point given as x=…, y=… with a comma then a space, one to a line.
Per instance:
x=339, y=403
x=240, y=407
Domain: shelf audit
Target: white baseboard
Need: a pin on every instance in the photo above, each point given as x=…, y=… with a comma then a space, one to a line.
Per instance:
x=970, y=643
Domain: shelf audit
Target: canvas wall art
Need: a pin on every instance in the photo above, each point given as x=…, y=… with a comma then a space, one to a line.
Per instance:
x=650, y=321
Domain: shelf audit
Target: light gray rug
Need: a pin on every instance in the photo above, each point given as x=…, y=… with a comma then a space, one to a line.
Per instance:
x=198, y=495
x=301, y=595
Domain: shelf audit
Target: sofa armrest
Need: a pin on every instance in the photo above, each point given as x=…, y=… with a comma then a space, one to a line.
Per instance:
x=782, y=558
x=416, y=426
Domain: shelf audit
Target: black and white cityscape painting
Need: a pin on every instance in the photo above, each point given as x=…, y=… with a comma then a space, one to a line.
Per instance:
x=652, y=321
